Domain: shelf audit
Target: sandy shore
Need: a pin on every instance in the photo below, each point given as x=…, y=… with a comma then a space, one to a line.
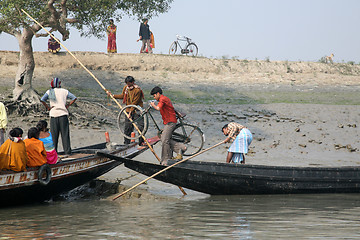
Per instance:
x=300, y=113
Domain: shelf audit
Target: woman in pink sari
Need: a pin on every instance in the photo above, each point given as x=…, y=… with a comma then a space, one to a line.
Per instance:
x=111, y=32
x=46, y=137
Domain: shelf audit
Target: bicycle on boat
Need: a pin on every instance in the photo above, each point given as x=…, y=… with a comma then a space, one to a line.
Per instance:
x=190, y=48
x=189, y=134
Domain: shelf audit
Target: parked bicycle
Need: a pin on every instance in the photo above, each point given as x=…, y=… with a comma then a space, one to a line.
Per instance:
x=189, y=134
x=190, y=47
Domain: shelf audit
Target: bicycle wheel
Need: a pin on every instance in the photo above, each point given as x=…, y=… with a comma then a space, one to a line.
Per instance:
x=173, y=48
x=191, y=136
x=193, y=49
x=125, y=126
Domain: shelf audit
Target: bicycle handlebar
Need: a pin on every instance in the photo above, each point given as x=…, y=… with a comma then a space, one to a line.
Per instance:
x=149, y=107
x=182, y=38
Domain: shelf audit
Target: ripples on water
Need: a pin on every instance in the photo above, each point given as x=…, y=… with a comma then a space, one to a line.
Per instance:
x=334, y=216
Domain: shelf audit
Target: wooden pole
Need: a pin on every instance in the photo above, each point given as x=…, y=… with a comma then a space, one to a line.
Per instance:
x=102, y=86
x=163, y=170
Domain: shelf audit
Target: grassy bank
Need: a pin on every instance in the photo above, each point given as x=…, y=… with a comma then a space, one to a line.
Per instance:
x=194, y=80
x=266, y=97
x=188, y=96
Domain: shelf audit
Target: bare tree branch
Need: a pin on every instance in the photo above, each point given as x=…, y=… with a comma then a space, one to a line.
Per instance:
x=64, y=12
x=52, y=10
x=44, y=34
x=58, y=21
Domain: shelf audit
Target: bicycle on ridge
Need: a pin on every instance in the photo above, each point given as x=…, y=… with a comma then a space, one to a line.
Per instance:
x=190, y=47
x=186, y=133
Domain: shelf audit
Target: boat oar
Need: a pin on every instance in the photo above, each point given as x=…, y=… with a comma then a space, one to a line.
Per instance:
x=163, y=170
x=102, y=86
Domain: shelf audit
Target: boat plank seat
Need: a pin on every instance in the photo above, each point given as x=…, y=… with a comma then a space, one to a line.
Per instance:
x=74, y=156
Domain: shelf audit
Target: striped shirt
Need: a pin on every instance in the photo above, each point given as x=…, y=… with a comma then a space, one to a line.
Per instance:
x=234, y=129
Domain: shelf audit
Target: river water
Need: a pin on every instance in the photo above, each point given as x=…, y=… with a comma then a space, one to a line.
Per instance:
x=195, y=216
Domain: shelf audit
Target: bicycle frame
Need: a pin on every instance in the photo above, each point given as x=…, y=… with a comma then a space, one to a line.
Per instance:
x=156, y=125
x=147, y=111
x=182, y=48
x=183, y=132
x=184, y=138
x=190, y=48
x=184, y=39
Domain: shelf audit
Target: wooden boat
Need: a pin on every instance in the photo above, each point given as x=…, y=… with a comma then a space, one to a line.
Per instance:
x=39, y=184
x=234, y=179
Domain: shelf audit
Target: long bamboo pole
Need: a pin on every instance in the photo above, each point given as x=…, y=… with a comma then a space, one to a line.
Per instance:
x=163, y=170
x=102, y=86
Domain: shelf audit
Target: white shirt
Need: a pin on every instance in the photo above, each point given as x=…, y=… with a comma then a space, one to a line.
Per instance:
x=3, y=117
x=58, y=108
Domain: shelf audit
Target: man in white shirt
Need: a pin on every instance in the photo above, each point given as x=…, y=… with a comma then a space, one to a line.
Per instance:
x=59, y=121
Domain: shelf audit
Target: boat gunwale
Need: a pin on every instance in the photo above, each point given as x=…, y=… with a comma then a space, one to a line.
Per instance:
x=272, y=178
x=277, y=178
x=31, y=171
x=230, y=165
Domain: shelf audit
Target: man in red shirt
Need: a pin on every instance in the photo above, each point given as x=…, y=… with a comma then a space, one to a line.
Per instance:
x=168, y=115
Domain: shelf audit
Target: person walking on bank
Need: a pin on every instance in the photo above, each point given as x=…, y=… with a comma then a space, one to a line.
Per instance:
x=131, y=95
x=3, y=123
x=241, y=137
x=59, y=121
x=144, y=34
x=168, y=115
x=111, y=33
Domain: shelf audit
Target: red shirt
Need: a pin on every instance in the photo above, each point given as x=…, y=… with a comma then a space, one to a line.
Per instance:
x=167, y=110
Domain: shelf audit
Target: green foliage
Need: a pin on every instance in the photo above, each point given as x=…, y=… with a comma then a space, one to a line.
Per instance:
x=90, y=17
x=11, y=17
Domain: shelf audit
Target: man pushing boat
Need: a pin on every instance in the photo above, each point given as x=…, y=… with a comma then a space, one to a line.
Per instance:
x=242, y=139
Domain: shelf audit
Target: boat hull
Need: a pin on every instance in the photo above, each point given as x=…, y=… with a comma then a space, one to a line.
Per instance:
x=234, y=179
x=33, y=191
x=86, y=164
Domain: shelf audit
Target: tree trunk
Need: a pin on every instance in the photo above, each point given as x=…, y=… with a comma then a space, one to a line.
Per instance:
x=23, y=80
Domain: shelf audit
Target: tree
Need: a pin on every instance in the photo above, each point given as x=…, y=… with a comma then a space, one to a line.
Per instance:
x=88, y=16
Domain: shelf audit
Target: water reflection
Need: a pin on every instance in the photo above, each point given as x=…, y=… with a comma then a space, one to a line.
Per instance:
x=208, y=217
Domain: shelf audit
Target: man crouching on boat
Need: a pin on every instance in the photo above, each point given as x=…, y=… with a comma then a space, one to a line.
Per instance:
x=241, y=137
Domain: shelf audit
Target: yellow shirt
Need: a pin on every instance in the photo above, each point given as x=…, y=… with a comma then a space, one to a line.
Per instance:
x=13, y=156
x=3, y=116
x=36, y=152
